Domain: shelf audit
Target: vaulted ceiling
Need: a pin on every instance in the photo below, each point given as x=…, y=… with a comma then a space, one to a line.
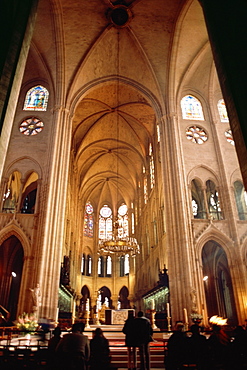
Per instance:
x=121, y=65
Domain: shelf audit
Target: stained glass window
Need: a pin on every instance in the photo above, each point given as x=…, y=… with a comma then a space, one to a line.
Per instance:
x=123, y=223
x=36, y=99
x=105, y=223
x=152, y=180
x=198, y=203
x=108, y=266
x=31, y=126
x=83, y=261
x=145, y=190
x=222, y=111
x=196, y=134
x=158, y=133
x=88, y=220
x=229, y=137
x=241, y=200
x=213, y=202
x=89, y=265
x=191, y=108
x=133, y=223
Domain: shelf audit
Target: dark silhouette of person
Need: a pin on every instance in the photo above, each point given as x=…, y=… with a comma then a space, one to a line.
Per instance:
x=239, y=348
x=142, y=337
x=130, y=342
x=196, y=350
x=219, y=349
x=52, y=345
x=99, y=351
x=74, y=349
x=176, y=348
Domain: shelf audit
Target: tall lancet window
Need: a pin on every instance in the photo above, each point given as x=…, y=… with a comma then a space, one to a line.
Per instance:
x=191, y=108
x=88, y=220
x=241, y=200
x=222, y=111
x=213, y=202
x=36, y=99
x=151, y=164
x=123, y=221
x=105, y=223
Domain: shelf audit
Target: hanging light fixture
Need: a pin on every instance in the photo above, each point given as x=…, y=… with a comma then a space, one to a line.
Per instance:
x=116, y=244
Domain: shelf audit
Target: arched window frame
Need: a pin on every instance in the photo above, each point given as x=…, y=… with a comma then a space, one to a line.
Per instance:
x=222, y=111
x=101, y=265
x=88, y=220
x=213, y=202
x=105, y=223
x=197, y=200
x=241, y=200
x=191, y=108
x=36, y=99
x=108, y=266
x=89, y=265
x=83, y=264
x=123, y=221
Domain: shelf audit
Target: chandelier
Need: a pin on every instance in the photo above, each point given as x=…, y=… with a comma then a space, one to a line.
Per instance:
x=119, y=245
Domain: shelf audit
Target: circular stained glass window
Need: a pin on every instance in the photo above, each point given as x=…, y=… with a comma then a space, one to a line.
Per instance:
x=105, y=211
x=229, y=137
x=196, y=134
x=31, y=126
x=122, y=210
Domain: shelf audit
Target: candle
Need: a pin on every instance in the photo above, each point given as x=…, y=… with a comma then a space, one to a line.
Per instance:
x=87, y=305
x=185, y=316
x=168, y=310
x=152, y=304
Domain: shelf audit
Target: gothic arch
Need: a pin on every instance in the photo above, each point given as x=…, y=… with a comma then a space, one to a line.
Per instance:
x=11, y=269
x=212, y=233
x=13, y=229
x=202, y=173
x=218, y=282
x=123, y=297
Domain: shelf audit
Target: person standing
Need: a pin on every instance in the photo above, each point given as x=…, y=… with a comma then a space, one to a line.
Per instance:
x=143, y=336
x=73, y=350
x=128, y=330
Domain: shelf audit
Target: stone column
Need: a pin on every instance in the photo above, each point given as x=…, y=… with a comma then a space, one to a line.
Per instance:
x=52, y=231
x=181, y=259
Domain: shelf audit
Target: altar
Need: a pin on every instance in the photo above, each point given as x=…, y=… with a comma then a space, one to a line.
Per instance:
x=117, y=317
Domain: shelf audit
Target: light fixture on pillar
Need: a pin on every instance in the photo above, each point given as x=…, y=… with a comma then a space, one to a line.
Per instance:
x=118, y=244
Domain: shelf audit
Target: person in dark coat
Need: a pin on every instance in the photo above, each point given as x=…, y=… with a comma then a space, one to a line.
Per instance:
x=52, y=345
x=73, y=350
x=130, y=342
x=142, y=337
x=99, y=351
x=219, y=348
x=197, y=350
x=176, y=349
x=239, y=348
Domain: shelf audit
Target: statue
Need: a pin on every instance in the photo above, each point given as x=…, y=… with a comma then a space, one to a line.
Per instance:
x=36, y=297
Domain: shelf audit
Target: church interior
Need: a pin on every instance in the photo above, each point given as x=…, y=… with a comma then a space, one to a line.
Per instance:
x=123, y=161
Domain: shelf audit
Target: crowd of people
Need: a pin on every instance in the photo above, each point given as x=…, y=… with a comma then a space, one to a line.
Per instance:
x=221, y=349
x=75, y=351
